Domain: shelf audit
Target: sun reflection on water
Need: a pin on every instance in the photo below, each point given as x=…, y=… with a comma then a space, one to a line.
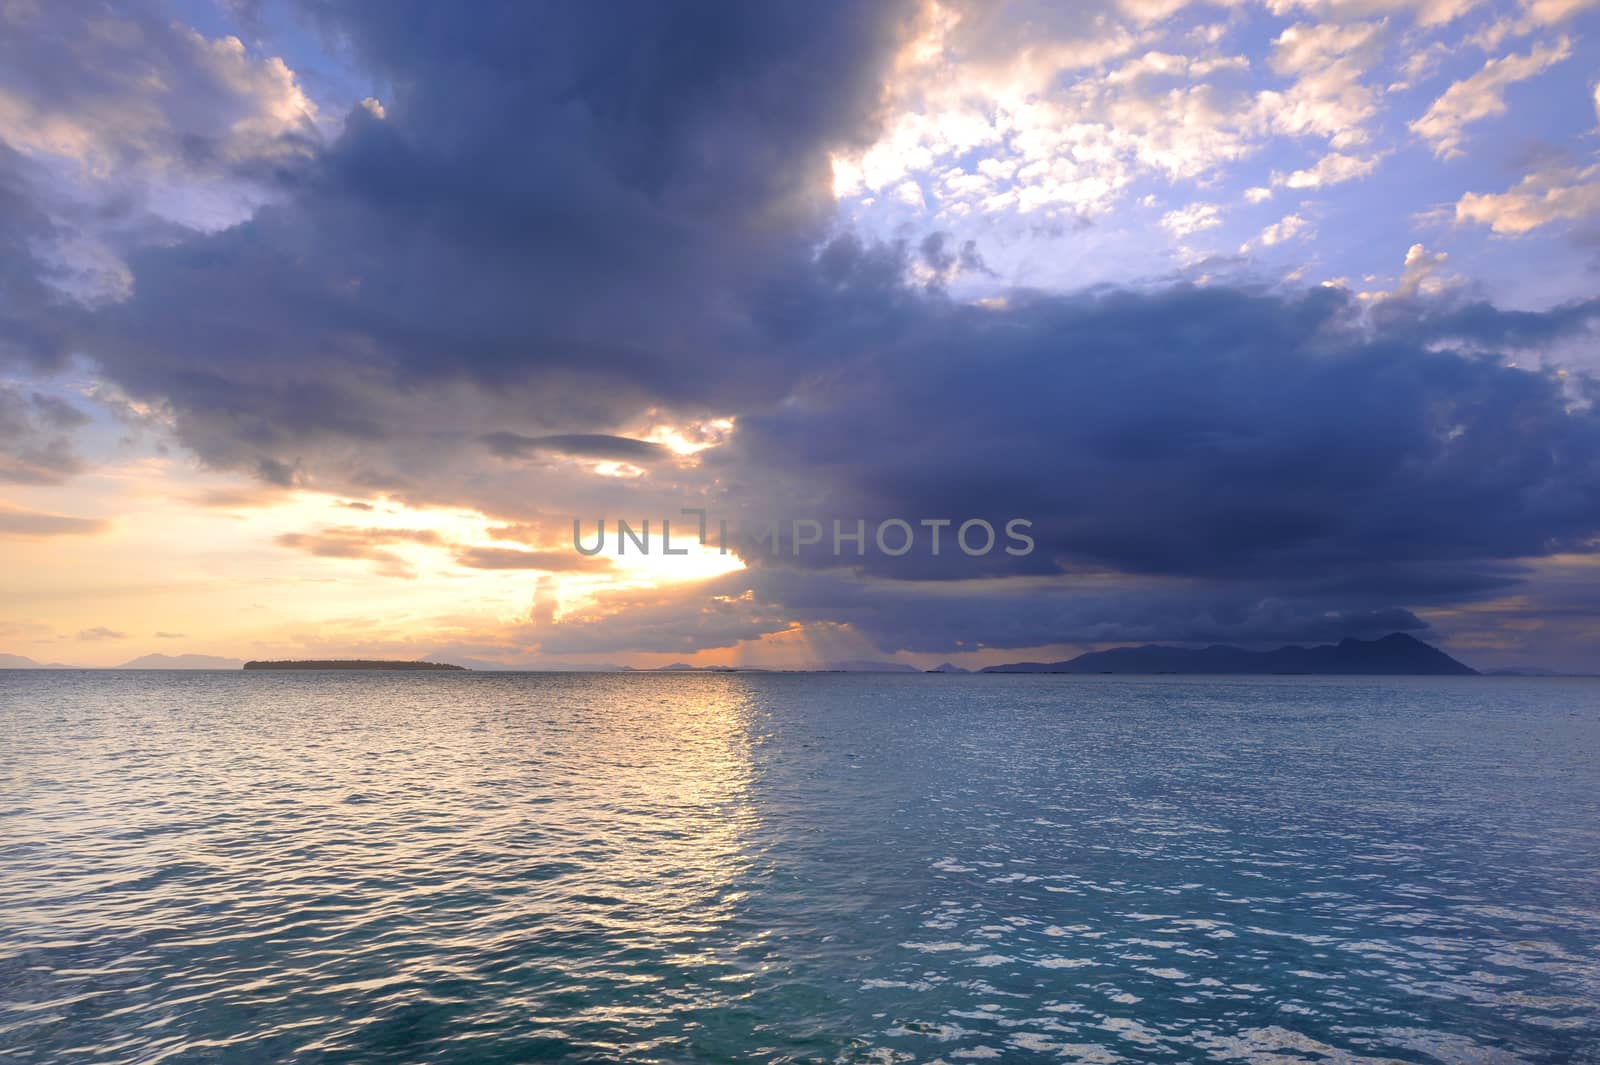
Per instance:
x=564, y=854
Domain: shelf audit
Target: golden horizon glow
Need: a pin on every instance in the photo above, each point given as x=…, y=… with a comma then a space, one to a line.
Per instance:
x=190, y=561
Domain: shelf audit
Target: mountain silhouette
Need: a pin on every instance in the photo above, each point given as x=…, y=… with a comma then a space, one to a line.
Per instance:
x=189, y=661
x=23, y=662
x=1394, y=655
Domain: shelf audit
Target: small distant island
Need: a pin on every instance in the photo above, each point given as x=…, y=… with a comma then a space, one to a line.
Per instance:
x=351, y=663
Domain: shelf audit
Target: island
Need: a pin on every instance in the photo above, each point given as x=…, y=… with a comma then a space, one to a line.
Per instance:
x=352, y=663
x=1394, y=655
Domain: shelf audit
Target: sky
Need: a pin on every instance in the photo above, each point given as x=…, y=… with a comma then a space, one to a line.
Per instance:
x=321, y=324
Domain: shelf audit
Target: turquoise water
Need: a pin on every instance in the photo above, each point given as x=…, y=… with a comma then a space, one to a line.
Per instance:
x=324, y=867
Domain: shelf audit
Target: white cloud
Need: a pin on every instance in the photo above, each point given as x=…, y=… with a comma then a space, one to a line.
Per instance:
x=1183, y=132
x=1548, y=12
x=1005, y=121
x=1308, y=47
x=1482, y=96
x=1168, y=65
x=966, y=82
x=1334, y=168
x=1421, y=64
x=1051, y=138
x=1290, y=227
x=1328, y=97
x=1426, y=12
x=1534, y=15
x=1423, y=273
x=1191, y=219
x=910, y=194
x=986, y=120
x=1556, y=194
x=1153, y=10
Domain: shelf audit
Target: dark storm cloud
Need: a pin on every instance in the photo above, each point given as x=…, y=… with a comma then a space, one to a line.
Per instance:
x=116, y=113
x=942, y=618
x=278, y=474
x=126, y=85
x=35, y=437
x=580, y=445
x=1481, y=323
x=564, y=199
x=1201, y=431
x=33, y=330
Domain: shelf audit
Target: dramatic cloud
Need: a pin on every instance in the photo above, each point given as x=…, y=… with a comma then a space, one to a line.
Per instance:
x=585, y=445
x=1208, y=431
x=143, y=92
x=35, y=437
x=866, y=618
x=806, y=262
x=436, y=248
x=124, y=126
x=31, y=330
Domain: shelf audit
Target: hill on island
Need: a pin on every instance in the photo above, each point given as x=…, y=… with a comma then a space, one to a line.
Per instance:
x=182, y=662
x=1394, y=655
x=353, y=663
x=23, y=662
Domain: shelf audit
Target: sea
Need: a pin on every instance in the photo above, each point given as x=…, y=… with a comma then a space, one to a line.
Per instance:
x=230, y=867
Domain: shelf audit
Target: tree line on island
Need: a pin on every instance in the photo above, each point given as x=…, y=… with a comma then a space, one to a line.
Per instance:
x=352, y=663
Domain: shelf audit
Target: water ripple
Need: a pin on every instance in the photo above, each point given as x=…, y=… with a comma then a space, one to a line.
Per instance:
x=232, y=867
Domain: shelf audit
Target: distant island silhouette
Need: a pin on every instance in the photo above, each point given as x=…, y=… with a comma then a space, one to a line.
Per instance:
x=1394, y=655
x=351, y=663
x=188, y=661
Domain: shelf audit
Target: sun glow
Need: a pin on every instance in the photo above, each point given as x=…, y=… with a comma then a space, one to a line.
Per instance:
x=159, y=558
x=702, y=562
x=439, y=543
x=689, y=438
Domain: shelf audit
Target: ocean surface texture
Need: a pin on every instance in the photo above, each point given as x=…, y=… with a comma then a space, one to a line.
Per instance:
x=481, y=868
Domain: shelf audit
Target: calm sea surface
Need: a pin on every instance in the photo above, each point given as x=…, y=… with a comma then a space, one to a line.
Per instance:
x=334, y=867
